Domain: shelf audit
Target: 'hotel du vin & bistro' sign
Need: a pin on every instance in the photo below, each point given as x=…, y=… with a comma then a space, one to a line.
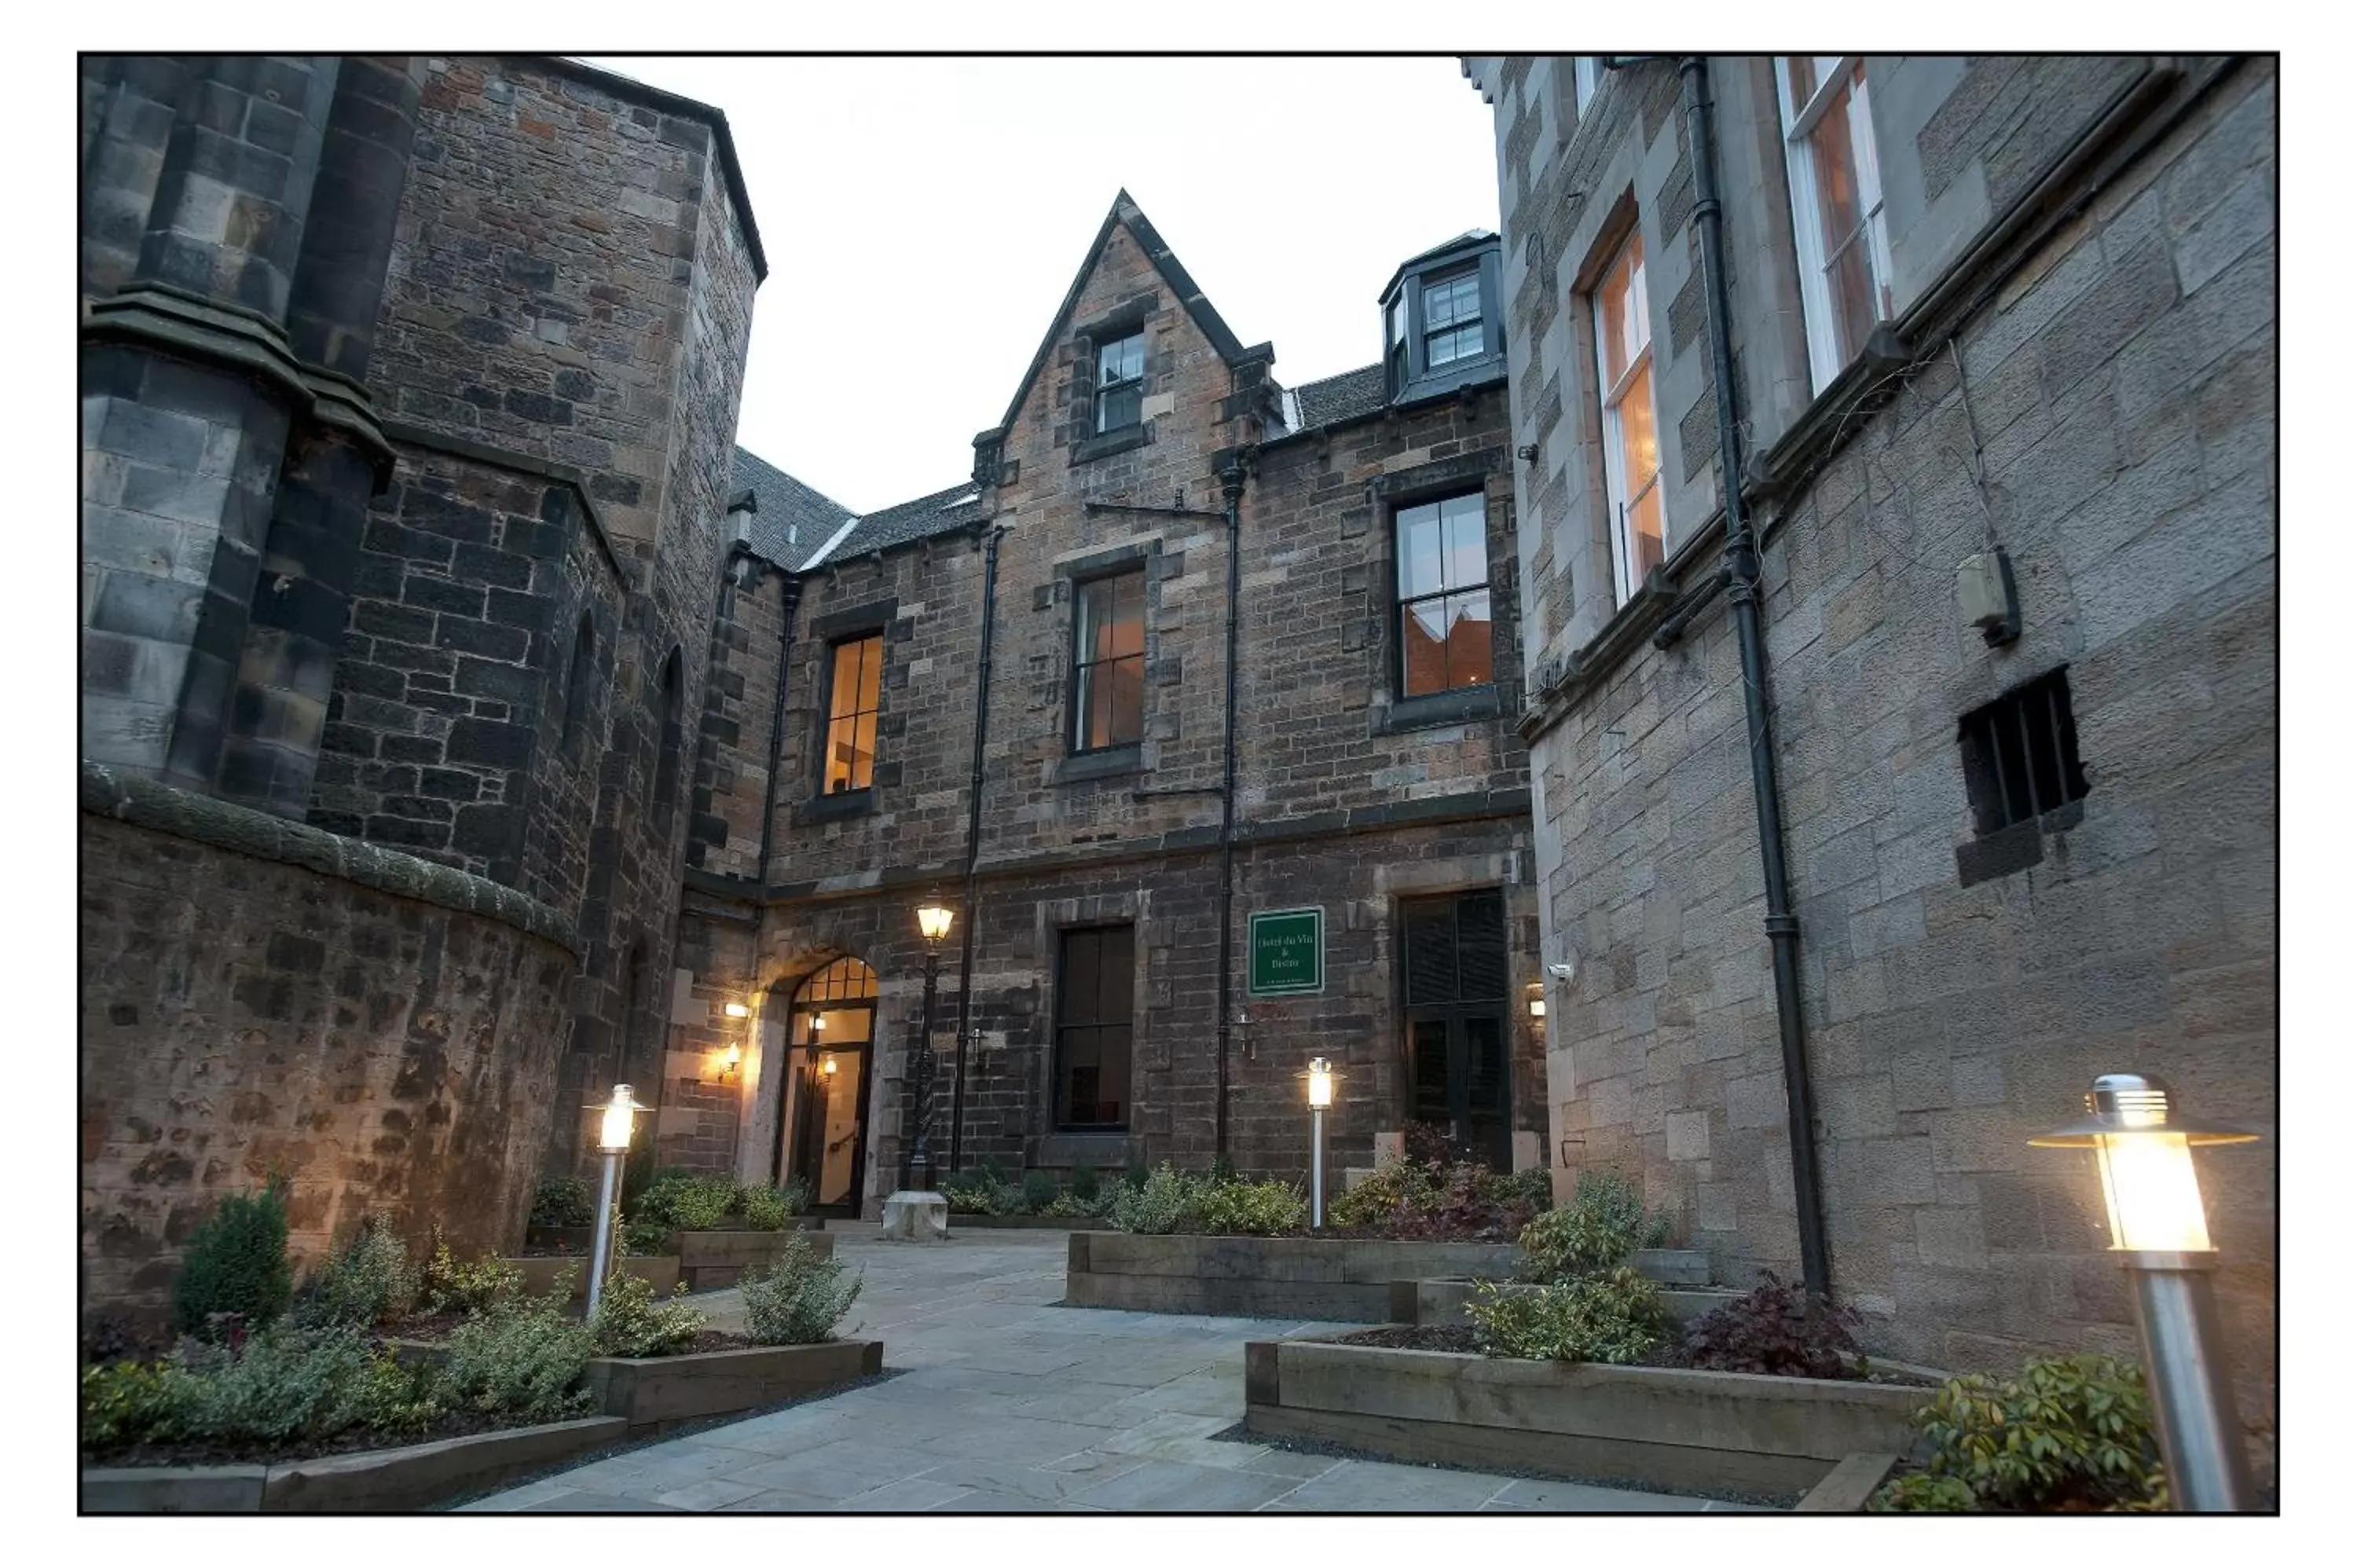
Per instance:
x=1288, y=952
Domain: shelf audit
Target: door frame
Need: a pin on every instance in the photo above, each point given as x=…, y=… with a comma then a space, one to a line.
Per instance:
x=1454, y=1016
x=782, y=1155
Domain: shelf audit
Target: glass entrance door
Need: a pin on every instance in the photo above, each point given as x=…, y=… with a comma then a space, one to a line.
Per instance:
x=822, y=1122
x=1453, y=969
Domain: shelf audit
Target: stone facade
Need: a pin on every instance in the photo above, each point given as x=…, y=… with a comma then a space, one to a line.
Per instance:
x=2082, y=266
x=405, y=507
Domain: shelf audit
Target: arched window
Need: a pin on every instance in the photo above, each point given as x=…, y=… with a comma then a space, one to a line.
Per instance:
x=576, y=689
x=844, y=979
x=667, y=762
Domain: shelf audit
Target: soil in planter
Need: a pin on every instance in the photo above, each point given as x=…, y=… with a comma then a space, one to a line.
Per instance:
x=1458, y=1337
x=356, y=1440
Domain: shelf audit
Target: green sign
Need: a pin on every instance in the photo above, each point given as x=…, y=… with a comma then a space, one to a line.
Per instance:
x=1288, y=952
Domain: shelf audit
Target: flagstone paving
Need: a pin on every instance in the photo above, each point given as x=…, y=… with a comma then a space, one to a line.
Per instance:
x=1007, y=1401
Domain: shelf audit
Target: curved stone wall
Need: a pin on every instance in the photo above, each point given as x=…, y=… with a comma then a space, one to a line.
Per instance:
x=250, y=1002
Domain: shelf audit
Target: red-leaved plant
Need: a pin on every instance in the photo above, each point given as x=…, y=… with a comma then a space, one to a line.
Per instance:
x=1778, y=1329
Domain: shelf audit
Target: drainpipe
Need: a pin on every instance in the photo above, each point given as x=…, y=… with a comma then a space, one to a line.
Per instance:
x=1742, y=578
x=1231, y=493
x=974, y=846
x=789, y=595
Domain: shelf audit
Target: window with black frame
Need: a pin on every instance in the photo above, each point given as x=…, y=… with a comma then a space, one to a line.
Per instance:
x=856, y=694
x=1452, y=320
x=1108, y=662
x=1094, y=995
x=1444, y=596
x=1121, y=381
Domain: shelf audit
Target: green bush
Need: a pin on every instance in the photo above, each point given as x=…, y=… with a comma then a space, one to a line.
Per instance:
x=236, y=1262
x=392, y=1398
x=1393, y=1186
x=449, y=1285
x=630, y=1321
x=1224, y=1167
x=286, y=1384
x=683, y=1202
x=563, y=1200
x=974, y=1199
x=768, y=1208
x=1039, y=1191
x=1084, y=1184
x=1616, y=1316
x=801, y=1298
x=134, y=1402
x=2069, y=1433
x=368, y=1283
x=1159, y=1206
x=1605, y=1222
x=1133, y=1172
x=1530, y=1188
x=1068, y=1206
x=642, y=1237
x=522, y=1358
x=1246, y=1208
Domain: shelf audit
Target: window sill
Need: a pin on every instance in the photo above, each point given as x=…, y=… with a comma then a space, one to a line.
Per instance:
x=836, y=807
x=1111, y=763
x=1436, y=709
x=1126, y=439
x=2017, y=848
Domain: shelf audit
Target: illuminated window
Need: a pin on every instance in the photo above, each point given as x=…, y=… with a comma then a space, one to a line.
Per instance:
x=1444, y=596
x=857, y=687
x=1632, y=449
x=1108, y=662
x=1838, y=231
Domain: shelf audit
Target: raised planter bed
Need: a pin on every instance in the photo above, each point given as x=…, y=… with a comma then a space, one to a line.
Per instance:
x=1027, y=1222
x=540, y=1274
x=580, y=1238
x=1663, y=1427
x=652, y=1393
x=715, y=1260
x=1441, y=1303
x=1342, y=1280
x=377, y=1480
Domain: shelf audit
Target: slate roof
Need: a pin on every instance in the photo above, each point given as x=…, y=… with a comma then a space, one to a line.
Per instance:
x=790, y=520
x=944, y=511
x=1337, y=398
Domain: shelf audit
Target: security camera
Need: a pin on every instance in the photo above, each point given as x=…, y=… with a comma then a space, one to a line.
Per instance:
x=1563, y=971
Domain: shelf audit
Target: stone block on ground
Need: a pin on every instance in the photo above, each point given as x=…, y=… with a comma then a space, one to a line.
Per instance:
x=915, y=1216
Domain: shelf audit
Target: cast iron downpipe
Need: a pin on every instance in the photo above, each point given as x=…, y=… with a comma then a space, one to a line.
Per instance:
x=789, y=595
x=972, y=847
x=1742, y=573
x=1231, y=493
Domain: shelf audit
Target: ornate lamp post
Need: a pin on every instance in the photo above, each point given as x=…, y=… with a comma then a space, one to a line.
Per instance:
x=613, y=1141
x=2144, y=1151
x=934, y=919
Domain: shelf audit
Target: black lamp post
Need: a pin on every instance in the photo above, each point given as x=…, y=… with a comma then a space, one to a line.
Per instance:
x=934, y=919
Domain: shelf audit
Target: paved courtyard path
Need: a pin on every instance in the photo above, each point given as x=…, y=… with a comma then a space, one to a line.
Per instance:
x=1007, y=1401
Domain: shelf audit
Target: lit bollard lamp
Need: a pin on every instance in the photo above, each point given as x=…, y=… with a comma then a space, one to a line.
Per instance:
x=1321, y=1077
x=2144, y=1152
x=613, y=1141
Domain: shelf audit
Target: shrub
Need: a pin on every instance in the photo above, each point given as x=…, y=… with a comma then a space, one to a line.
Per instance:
x=236, y=1262
x=642, y=1237
x=1425, y=1143
x=563, y=1200
x=768, y=1208
x=521, y=1360
x=1068, y=1206
x=134, y=1402
x=1161, y=1206
x=975, y=1198
x=288, y=1383
x=800, y=1299
x=1224, y=1167
x=1039, y=1191
x=683, y=1202
x=1134, y=1173
x=449, y=1284
x=1084, y=1183
x=1616, y=1316
x=1246, y=1207
x=1393, y=1185
x=1780, y=1329
x=630, y=1321
x=392, y=1398
x=368, y=1283
x=1459, y=1205
x=2069, y=1433
x=1605, y=1222
x=1531, y=1189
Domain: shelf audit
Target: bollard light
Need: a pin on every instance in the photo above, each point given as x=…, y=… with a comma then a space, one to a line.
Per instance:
x=1320, y=1077
x=1321, y=1085
x=2144, y=1155
x=614, y=1129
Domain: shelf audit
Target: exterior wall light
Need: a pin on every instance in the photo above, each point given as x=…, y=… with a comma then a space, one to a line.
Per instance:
x=730, y=1060
x=737, y=1010
x=614, y=1129
x=1538, y=1006
x=934, y=919
x=2144, y=1152
x=826, y=1066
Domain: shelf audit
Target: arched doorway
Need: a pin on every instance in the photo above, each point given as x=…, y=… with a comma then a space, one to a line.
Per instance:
x=823, y=1116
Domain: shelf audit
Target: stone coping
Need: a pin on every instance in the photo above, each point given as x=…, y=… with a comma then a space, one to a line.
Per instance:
x=146, y=802
x=1662, y=1426
x=375, y=1481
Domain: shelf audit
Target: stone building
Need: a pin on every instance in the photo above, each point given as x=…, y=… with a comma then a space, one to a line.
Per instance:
x=1030, y=692
x=2002, y=353
x=408, y=397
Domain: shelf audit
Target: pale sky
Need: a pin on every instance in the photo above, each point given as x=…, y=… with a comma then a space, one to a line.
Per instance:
x=923, y=218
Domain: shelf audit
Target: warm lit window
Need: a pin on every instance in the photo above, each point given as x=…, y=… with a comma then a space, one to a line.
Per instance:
x=1452, y=320
x=1109, y=662
x=1632, y=452
x=1093, y=1008
x=1121, y=381
x=1444, y=591
x=857, y=688
x=1838, y=222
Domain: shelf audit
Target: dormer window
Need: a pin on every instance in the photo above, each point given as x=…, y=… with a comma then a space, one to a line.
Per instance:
x=1442, y=320
x=1452, y=320
x=1121, y=381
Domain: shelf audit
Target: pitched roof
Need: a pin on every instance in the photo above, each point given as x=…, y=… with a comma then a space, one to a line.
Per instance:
x=1337, y=398
x=944, y=511
x=790, y=520
x=1124, y=211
